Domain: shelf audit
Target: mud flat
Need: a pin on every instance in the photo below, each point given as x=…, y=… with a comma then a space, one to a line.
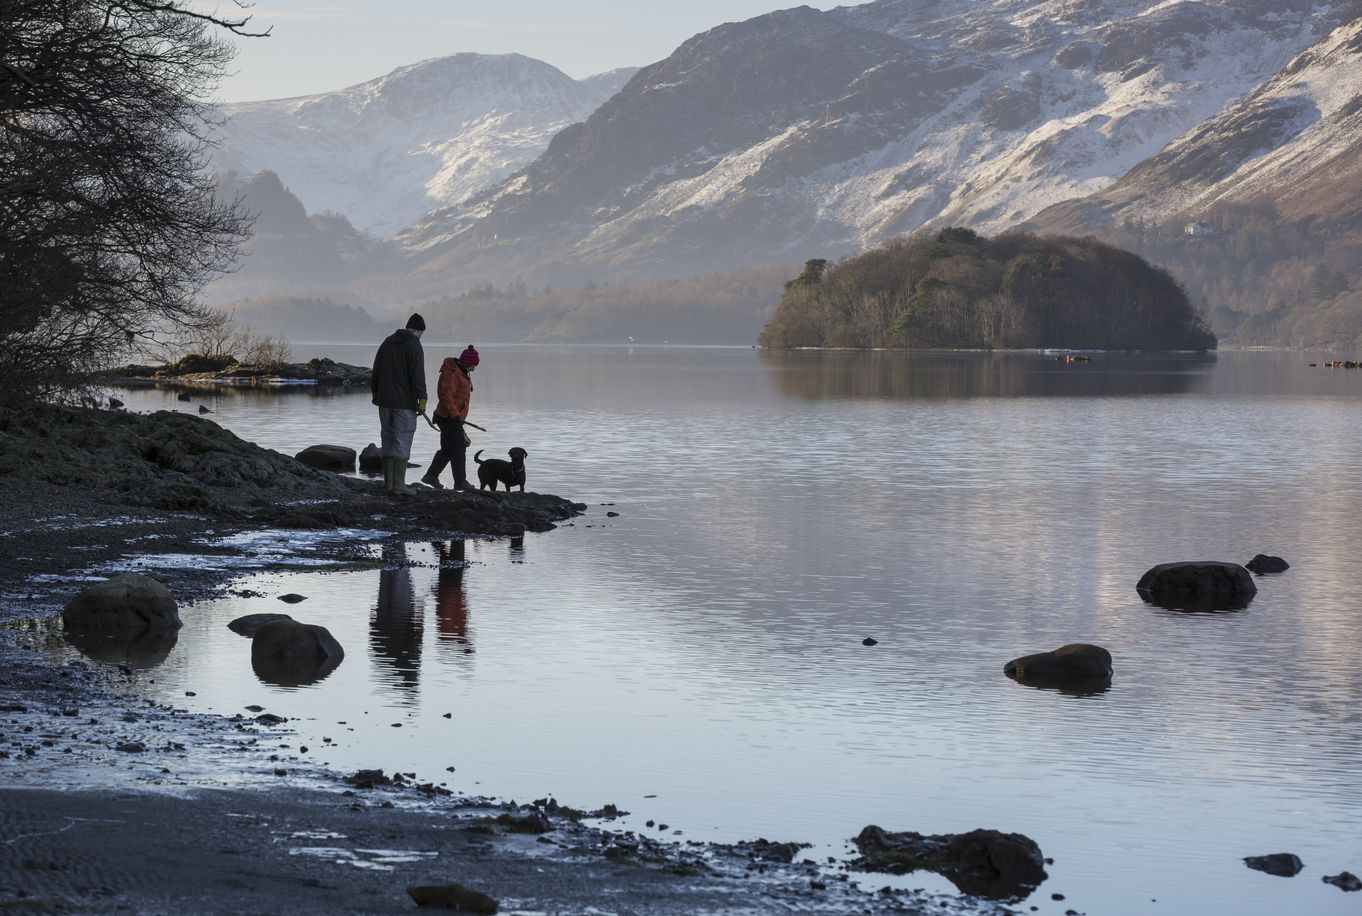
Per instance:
x=109, y=801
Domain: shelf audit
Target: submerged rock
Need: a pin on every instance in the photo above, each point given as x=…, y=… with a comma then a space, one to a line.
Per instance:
x=985, y=863
x=328, y=457
x=250, y=624
x=451, y=897
x=1078, y=665
x=128, y=602
x=287, y=653
x=1198, y=585
x=1281, y=864
x=1264, y=564
x=292, y=598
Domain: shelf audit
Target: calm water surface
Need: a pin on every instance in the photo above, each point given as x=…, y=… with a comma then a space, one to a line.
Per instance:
x=698, y=660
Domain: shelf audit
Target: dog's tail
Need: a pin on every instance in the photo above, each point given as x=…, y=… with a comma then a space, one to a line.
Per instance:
x=476, y=459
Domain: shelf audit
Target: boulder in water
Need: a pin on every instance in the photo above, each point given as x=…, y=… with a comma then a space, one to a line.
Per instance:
x=250, y=624
x=1281, y=864
x=1264, y=564
x=1198, y=585
x=1080, y=665
x=129, y=602
x=985, y=863
x=292, y=654
x=371, y=459
x=328, y=457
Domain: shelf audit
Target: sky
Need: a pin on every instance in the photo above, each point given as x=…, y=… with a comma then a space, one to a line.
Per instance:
x=321, y=45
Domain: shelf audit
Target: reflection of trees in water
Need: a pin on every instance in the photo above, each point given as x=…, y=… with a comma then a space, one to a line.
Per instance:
x=451, y=601
x=395, y=627
x=904, y=375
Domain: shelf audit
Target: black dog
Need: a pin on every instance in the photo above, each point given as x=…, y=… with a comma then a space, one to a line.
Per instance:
x=495, y=470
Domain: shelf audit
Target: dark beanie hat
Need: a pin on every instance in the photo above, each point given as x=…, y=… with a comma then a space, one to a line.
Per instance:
x=416, y=322
x=469, y=357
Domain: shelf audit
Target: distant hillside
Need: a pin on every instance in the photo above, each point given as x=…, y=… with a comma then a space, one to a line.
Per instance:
x=427, y=135
x=956, y=289
x=298, y=319
x=292, y=253
x=1258, y=210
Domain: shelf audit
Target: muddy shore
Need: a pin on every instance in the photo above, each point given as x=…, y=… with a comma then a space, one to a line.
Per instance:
x=109, y=802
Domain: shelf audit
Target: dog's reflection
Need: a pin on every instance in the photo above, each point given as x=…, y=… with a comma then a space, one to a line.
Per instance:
x=451, y=600
x=395, y=627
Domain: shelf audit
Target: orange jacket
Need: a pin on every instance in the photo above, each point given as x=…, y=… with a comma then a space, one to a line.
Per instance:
x=454, y=390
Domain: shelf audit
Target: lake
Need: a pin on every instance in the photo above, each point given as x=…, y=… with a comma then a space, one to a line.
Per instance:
x=698, y=659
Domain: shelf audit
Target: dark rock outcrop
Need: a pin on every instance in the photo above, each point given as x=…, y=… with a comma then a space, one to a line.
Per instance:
x=1198, y=585
x=1281, y=864
x=1264, y=564
x=250, y=625
x=291, y=654
x=1078, y=664
x=985, y=863
x=129, y=602
x=328, y=457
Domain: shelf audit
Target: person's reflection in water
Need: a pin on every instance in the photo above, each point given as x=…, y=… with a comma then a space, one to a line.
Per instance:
x=451, y=601
x=517, y=549
x=395, y=628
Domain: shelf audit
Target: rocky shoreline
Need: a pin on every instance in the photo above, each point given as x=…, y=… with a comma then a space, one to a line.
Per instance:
x=224, y=814
x=207, y=373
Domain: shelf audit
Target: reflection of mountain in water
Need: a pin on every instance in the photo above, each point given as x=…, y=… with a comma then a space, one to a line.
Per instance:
x=822, y=374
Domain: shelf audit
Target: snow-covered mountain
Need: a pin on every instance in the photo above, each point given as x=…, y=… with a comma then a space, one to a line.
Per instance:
x=1294, y=142
x=804, y=133
x=386, y=152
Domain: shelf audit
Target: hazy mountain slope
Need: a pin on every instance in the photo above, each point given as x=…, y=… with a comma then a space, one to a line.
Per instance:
x=385, y=152
x=803, y=132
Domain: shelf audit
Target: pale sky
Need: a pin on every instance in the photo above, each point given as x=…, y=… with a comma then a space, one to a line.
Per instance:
x=320, y=45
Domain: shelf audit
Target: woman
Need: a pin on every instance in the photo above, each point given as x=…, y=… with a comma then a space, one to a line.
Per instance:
x=454, y=391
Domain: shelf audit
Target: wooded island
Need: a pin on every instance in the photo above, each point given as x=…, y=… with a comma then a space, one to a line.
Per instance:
x=958, y=289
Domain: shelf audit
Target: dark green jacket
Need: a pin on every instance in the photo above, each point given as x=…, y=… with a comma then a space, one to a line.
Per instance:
x=399, y=377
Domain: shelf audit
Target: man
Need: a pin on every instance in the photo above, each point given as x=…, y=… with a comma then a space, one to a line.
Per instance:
x=398, y=385
x=454, y=392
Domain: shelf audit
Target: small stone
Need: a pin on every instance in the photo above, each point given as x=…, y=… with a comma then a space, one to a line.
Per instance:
x=449, y=715
x=281, y=772
x=254, y=708
x=1264, y=564
x=131, y=747
x=203, y=410
x=292, y=598
x=1056, y=896
x=869, y=641
x=612, y=515
x=190, y=693
x=270, y=718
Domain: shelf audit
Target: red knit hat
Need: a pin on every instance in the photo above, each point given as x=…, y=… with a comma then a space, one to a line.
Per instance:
x=469, y=357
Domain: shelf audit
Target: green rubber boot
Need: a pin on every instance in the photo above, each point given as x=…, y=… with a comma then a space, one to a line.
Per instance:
x=387, y=475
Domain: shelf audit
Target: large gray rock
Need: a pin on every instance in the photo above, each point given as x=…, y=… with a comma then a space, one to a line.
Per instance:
x=1079, y=664
x=1198, y=585
x=128, y=602
x=291, y=654
x=985, y=863
x=328, y=457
